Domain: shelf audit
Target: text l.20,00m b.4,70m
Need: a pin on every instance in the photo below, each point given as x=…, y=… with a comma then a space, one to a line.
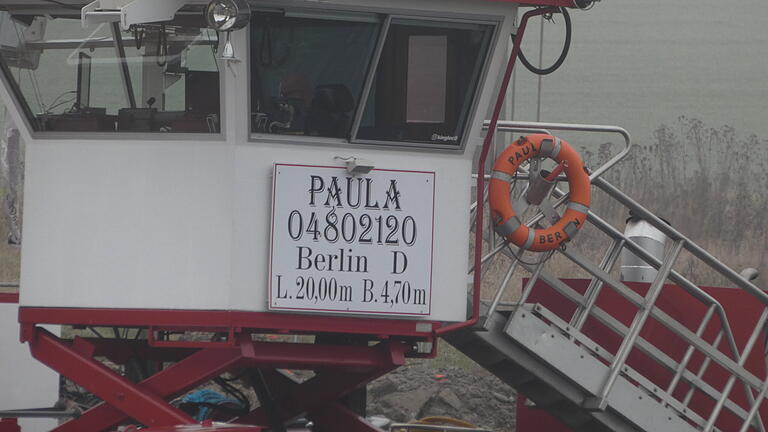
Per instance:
x=327, y=289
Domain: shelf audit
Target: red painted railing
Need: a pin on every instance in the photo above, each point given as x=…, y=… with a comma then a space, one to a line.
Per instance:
x=9, y=297
x=481, y=169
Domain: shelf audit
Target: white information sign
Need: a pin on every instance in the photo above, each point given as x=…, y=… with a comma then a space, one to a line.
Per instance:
x=351, y=244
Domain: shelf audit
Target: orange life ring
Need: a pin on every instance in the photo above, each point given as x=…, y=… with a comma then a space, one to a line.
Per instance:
x=507, y=223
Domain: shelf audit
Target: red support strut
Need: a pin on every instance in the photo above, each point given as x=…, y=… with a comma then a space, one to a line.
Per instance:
x=190, y=372
x=340, y=369
x=9, y=425
x=146, y=407
x=327, y=386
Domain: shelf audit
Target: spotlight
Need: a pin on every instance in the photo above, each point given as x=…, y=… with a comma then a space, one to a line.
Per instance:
x=228, y=15
x=584, y=4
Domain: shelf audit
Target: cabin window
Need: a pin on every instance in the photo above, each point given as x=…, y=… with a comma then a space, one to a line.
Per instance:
x=425, y=82
x=366, y=79
x=308, y=72
x=154, y=78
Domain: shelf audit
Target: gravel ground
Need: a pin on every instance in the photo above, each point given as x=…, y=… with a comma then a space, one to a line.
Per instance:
x=420, y=389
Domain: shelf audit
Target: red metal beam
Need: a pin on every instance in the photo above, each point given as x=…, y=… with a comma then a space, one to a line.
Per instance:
x=556, y=3
x=194, y=320
x=316, y=357
x=12, y=298
x=110, y=387
x=9, y=425
x=356, y=364
x=259, y=354
x=476, y=284
x=326, y=387
x=168, y=383
x=206, y=427
x=121, y=351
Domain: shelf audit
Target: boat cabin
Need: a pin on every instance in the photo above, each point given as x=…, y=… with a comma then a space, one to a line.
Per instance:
x=317, y=159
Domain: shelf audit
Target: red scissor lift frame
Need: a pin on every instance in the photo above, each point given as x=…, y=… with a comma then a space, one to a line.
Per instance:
x=339, y=369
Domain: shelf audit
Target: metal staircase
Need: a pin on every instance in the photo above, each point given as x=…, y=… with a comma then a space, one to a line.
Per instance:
x=597, y=369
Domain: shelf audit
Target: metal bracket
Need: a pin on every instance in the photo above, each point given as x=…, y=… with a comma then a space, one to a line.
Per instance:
x=549, y=211
x=129, y=12
x=520, y=205
x=535, y=168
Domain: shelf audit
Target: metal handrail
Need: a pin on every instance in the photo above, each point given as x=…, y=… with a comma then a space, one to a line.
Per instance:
x=734, y=362
x=518, y=126
x=649, y=349
x=747, y=378
x=674, y=234
x=637, y=324
x=542, y=127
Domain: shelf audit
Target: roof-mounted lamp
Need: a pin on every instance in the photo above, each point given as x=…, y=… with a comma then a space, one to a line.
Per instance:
x=226, y=16
x=585, y=4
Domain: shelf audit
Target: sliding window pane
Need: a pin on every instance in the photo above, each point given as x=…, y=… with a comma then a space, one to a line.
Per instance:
x=425, y=82
x=71, y=79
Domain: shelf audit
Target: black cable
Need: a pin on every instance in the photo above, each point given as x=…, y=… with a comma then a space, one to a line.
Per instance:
x=234, y=392
x=267, y=400
x=236, y=378
x=93, y=329
x=563, y=54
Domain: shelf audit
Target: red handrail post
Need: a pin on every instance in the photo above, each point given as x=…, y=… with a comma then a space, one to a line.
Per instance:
x=481, y=169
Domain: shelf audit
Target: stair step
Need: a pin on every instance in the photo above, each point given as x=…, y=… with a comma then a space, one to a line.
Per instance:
x=545, y=364
x=577, y=366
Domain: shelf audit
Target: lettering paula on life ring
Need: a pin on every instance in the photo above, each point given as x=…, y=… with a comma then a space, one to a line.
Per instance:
x=508, y=224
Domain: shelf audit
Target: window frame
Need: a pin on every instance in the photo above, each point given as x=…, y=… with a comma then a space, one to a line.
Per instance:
x=389, y=15
x=21, y=106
